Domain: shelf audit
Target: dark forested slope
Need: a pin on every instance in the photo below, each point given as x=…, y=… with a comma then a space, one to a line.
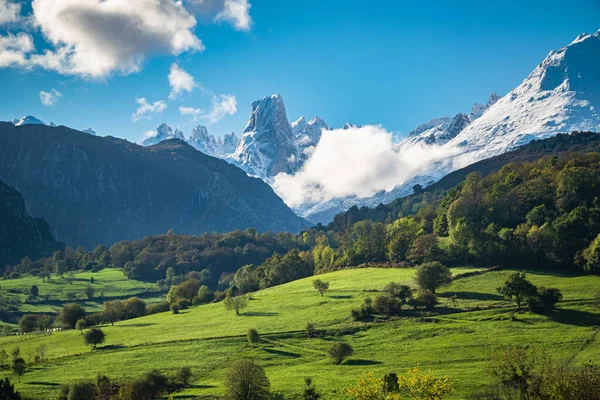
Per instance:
x=20, y=234
x=95, y=190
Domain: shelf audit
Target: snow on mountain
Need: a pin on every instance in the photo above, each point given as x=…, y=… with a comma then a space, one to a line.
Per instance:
x=208, y=144
x=89, y=131
x=268, y=145
x=163, y=132
x=562, y=94
x=308, y=133
x=28, y=120
x=299, y=126
x=478, y=109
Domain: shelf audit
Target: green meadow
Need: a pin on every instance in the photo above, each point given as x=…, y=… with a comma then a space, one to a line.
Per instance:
x=455, y=340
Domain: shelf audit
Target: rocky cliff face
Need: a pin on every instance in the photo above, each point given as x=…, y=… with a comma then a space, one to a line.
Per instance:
x=20, y=234
x=96, y=190
x=267, y=146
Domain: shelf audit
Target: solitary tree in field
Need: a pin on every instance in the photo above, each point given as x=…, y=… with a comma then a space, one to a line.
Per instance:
x=34, y=291
x=89, y=292
x=81, y=325
x=517, y=288
x=339, y=351
x=235, y=302
x=253, y=337
x=432, y=275
x=18, y=367
x=94, y=337
x=246, y=380
x=321, y=286
x=310, y=390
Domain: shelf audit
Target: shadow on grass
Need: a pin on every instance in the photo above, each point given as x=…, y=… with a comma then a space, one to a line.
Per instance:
x=574, y=317
x=471, y=296
x=36, y=383
x=198, y=387
x=282, y=353
x=259, y=314
x=136, y=325
x=110, y=347
x=342, y=296
x=361, y=362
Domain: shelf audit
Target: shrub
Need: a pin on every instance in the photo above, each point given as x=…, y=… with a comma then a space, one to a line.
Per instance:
x=236, y=303
x=310, y=390
x=339, y=351
x=82, y=391
x=158, y=308
x=387, y=305
x=175, y=308
x=204, y=296
x=310, y=330
x=246, y=380
x=81, y=325
x=432, y=275
x=253, y=337
x=365, y=313
x=94, y=337
x=425, y=299
x=184, y=374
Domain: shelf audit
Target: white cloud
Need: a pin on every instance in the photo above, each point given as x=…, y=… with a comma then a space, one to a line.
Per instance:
x=194, y=112
x=145, y=109
x=95, y=38
x=355, y=162
x=221, y=106
x=50, y=98
x=9, y=12
x=179, y=80
x=237, y=13
x=14, y=48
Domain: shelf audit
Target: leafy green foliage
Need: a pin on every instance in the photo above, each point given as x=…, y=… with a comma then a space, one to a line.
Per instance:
x=94, y=337
x=246, y=380
x=339, y=351
x=433, y=275
x=518, y=288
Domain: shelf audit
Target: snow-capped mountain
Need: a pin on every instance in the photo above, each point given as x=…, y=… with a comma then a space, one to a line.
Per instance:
x=308, y=133
x=562, y=94
x=28, y=120
x=267, y=146
x=208, y=144
x=478, y=109
x=89, y=131
x=163, y=132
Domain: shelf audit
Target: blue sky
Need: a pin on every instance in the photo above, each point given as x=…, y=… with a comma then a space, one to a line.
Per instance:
x=395, y=63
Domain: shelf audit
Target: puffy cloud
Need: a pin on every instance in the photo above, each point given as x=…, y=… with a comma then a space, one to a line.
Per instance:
x=145, y=109
x=179, y=80
x=50, y=98
x=194, y=112
x=9, y=12
x=221, y=106
x=237, y=13
x=14, y=48
x=95, y=38
x=359, y=161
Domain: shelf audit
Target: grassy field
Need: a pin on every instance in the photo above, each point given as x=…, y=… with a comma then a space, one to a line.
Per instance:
x=109, y=283
x=455, y=341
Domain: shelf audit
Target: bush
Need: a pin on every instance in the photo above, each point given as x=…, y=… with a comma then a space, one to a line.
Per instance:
x=82, y=391
x=246, y=380
x=387, y=305
x=339, y=351
x=425, y=299
x=204, y=296
x=321, y=286
x=365, y=313
x=432, y=275
x=158, y=308
x=518, y=288
x=184, y=374
x=253, y=337
x=310, y=330
x=94, y=337
x=175, y=307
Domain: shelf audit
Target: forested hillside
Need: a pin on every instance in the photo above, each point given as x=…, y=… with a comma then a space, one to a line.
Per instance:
x=20, y=234
x=526, y=215
x=99, y=190
x=576, y=142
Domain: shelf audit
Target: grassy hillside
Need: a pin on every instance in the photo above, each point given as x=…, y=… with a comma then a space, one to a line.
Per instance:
x=456, y=340
x=109, y=283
